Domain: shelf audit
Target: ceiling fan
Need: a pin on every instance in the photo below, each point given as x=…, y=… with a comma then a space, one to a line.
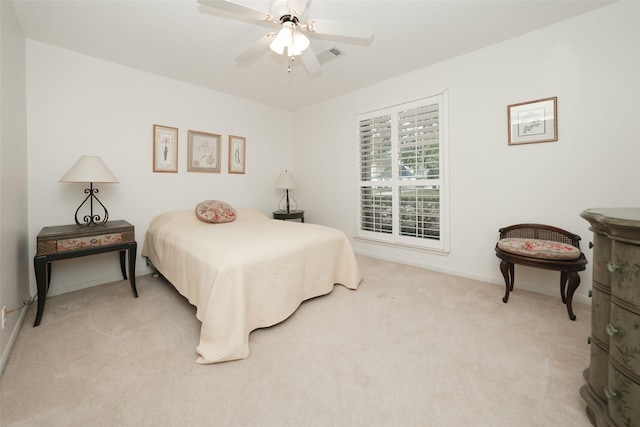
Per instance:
x=290, y=16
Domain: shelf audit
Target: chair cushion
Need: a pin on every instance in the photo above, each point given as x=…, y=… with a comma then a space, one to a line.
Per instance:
x=215, y=211
x=543, y=249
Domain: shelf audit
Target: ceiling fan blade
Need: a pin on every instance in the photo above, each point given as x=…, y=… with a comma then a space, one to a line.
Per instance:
x=310, y=62
x=256, y=49
x=236, y=8
x=355, y=30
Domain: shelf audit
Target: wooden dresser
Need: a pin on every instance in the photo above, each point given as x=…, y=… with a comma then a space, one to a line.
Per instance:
x=612, y=380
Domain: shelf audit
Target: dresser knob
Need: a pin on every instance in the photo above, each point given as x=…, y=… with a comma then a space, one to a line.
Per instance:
x=611, y=330
x=612, y=267
x=590, y=293
x=588, y=340
x=610, y=393
x=590, y=245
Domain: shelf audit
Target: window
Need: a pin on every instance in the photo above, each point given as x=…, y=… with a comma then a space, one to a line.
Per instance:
x=402, y=174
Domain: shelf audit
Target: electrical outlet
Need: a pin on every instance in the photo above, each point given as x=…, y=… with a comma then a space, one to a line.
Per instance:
x=4, y=316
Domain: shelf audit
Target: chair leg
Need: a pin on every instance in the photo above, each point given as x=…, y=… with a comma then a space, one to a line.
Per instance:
x=512, y=274
x=507, y=272
x=574, y=282
x=564, y=276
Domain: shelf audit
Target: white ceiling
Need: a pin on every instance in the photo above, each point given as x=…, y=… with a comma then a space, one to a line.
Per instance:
x=185, y=41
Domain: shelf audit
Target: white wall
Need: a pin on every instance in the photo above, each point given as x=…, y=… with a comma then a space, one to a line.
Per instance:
x=591, y=63
x=78, y=105
x=14, y=254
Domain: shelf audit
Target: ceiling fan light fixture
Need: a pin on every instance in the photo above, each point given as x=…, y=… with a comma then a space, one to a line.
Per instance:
x=292, y=20
x=281, y=40
x=299, y=43
x=290, y=38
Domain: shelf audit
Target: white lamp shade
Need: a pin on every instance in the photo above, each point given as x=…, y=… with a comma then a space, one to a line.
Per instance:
x=281, y=41
x=298, y=43
x=285, y=181
x=291, y=39
x=89, y=169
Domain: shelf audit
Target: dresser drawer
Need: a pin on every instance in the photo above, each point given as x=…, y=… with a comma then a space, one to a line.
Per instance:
x=624, y=344
x=601, y=258
x=623, y=396
x=88, y=242
x=625, y=272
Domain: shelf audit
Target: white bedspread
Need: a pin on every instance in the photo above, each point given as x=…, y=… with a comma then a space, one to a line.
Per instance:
x=250, y=273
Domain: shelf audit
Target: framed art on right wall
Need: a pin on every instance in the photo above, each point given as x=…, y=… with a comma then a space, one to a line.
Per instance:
x=533, y=121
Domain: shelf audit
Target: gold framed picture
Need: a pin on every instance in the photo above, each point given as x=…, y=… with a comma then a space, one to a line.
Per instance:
x=237, y=151
x=165, y=149
x=203, y=152
x=533, y=121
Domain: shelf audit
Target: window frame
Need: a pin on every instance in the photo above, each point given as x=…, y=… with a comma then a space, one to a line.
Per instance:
x=394, y=238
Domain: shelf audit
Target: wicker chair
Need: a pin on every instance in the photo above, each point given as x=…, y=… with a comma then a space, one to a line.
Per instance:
x=568, y=267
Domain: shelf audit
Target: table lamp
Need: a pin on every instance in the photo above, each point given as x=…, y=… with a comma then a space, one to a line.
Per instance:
x=90, y=169
x=286, y=182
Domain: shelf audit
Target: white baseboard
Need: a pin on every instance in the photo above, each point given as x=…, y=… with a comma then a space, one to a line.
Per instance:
x=551, y=291
x=12, y=339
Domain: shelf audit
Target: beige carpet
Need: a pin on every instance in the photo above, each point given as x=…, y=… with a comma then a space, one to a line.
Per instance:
x=409, y=348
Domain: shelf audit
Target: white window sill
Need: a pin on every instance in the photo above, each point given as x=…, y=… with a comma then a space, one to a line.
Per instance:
x=405, y=246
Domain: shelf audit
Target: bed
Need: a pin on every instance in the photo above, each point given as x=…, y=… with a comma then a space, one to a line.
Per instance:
x=250, y=273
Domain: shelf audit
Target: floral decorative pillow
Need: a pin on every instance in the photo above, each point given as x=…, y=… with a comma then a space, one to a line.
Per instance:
x=215, y=211
x=535, y=248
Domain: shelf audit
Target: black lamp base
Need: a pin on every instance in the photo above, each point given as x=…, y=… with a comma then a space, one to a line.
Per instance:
x=91, y=219
x=291, y=203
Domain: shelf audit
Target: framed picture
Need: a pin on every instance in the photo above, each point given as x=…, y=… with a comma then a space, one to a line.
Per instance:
x=203, y=152
x=533, y=121
x=165, y=149
x=237, y=150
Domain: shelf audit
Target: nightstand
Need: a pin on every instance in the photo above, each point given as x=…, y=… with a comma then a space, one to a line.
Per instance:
x=292, y=214
x=72, y=241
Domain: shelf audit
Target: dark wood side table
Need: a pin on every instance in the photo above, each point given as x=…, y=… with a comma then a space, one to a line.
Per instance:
x=72, y=241
x=292, y=214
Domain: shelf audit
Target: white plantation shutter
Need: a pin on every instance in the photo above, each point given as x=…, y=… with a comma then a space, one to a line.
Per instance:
x=375, y=169
x=419, y=140
x=375, y=148
x=401, y=163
